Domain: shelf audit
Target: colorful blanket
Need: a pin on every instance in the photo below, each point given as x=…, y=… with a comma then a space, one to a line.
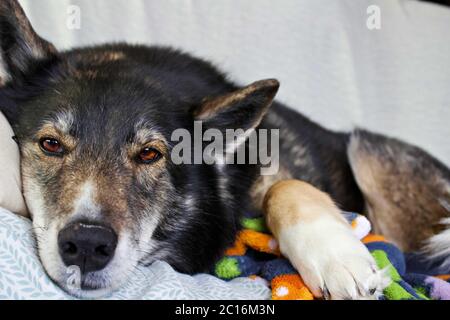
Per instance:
x=255, y=254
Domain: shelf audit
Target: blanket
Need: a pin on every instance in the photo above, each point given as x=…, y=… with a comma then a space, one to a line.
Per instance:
x=250, y=268
x=256, y=254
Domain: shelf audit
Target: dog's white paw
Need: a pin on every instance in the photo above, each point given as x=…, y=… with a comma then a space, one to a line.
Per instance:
x=333, y=263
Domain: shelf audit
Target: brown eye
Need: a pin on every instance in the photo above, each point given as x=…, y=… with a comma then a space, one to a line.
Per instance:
x=149, y=155
x=51, y=146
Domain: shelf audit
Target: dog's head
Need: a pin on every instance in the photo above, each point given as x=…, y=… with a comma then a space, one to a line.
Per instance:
x=95, y=128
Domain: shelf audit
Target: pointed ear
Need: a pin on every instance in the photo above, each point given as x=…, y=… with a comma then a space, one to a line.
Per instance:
x=243, y=108
x=21, y=49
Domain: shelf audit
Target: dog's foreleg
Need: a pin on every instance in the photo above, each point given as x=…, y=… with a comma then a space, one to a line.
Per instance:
x=320, y=244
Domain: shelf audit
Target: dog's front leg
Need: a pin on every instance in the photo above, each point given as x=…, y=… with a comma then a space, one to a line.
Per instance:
x=320, y=243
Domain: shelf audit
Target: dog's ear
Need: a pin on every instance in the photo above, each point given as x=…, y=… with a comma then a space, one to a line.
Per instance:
x=243, y=108
x=21, y=49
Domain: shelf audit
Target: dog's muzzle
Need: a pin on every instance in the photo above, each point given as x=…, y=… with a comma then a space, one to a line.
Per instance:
x=89, y=246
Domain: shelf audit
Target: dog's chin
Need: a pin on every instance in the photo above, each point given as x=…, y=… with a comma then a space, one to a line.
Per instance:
x=87, y=292
x=93, y=285
x=100, y=284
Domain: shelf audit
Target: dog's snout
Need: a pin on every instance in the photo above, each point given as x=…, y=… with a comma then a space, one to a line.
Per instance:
x=89, y=246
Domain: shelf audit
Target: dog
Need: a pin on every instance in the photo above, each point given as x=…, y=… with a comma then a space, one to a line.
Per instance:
x=94, y=128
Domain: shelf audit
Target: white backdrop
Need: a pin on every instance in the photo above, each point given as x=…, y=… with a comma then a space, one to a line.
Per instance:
x=395, y=80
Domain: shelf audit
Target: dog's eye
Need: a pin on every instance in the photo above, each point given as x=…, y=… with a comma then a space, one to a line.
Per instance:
x=51, y=145
x=149, y=155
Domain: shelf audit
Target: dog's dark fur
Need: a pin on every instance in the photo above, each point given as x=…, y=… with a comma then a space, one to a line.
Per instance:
x=111, y=91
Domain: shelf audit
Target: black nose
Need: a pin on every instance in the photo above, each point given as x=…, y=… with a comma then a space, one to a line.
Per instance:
x=88, y=246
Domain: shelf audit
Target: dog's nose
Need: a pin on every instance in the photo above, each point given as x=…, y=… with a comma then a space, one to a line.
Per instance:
x=89, y=246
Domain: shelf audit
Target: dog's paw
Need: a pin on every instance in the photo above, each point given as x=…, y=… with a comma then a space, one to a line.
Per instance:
x=333, y=263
